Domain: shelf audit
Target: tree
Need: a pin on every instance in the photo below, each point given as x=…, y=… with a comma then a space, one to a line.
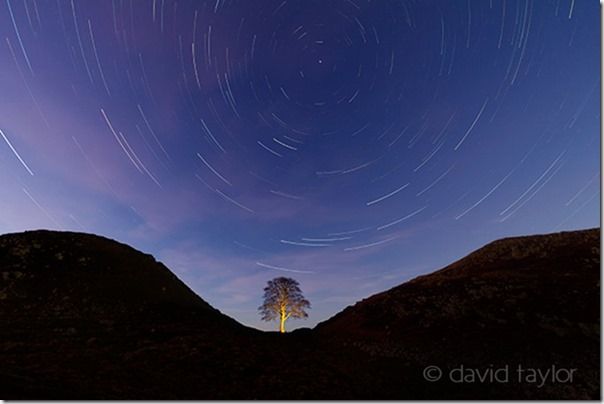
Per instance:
x=283, y=299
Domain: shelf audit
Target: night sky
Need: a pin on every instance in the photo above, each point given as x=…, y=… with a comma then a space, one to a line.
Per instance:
x=352, y=144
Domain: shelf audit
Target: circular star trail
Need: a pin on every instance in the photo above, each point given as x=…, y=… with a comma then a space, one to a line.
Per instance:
x=352, y=144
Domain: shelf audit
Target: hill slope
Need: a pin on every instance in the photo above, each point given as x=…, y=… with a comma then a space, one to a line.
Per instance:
x=85, y=317
x=86, y=277
x=530, y=301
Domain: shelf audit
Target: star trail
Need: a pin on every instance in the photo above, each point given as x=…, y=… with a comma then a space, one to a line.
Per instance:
x=352, y=144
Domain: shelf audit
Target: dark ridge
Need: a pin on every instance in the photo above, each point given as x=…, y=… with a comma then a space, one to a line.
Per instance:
x=512, y=254
x=84, y=276
x=524, y=300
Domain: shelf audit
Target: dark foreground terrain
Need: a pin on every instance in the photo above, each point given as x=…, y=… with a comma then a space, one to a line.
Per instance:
x=84, y=317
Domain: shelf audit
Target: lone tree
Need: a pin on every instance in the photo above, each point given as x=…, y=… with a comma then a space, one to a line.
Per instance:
x=283, y=299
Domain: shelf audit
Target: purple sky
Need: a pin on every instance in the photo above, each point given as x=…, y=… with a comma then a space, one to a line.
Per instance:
x=352, y=145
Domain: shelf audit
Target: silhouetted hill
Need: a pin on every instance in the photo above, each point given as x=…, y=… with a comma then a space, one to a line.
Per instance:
x=530, y=301
x=68, y=275
x=84, y=317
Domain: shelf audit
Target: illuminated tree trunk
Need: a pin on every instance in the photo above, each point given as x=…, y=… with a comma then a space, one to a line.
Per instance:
x=282, y=318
